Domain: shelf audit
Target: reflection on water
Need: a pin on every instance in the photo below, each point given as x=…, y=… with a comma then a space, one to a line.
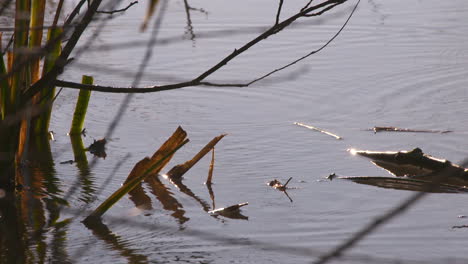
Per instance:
x=102, y=232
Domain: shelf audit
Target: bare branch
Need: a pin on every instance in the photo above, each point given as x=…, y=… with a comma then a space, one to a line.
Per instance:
x=306, y=6
x=118, y=10
x=273, y=30
x=280, y=5
x=198, y=81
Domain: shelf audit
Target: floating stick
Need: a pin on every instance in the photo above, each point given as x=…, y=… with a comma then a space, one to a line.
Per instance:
x=398, y=129
x=318, y=129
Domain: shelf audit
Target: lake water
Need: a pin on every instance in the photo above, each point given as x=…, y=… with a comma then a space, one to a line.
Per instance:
x=397, y=63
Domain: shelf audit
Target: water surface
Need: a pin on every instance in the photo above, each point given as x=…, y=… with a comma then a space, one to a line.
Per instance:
x=398, y=63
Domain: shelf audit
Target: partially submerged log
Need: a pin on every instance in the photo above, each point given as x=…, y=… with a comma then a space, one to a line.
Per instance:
x=415, y=168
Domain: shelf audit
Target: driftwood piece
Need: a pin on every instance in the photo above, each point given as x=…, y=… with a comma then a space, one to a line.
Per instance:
x=397, y=129
x=319, y=130
x=415, y=168
x=179, y=170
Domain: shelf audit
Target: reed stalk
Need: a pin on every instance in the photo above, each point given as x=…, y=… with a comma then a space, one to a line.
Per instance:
x=4, y=87
x=81, y=107
x=44, y=98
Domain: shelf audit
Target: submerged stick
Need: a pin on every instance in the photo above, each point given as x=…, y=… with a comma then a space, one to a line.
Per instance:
x=397, y=129
x=318, y=129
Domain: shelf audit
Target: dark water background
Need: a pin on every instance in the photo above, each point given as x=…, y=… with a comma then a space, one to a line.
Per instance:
x=397, y=63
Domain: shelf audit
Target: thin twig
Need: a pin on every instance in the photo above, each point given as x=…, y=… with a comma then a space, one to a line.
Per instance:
x=118, y=10
x=308, y=4
x=199, y=80
x=278, y=13
x=57, y=14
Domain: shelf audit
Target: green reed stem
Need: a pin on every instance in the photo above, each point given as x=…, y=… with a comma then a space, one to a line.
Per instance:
x=81, y=107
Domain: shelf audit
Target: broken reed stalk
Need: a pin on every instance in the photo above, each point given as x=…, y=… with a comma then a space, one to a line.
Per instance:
x=319, y=130
x=210, y=170
x=81, y=107
x=129, y=185
x=179, y=170
x=176, y=139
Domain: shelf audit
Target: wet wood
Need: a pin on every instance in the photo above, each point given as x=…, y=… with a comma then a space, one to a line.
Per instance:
x=319, y=130
x=397, y=129
x=179, y=170
x=176, y=139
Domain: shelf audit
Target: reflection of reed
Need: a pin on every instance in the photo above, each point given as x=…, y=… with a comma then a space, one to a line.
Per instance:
x=183, y=188
x=11, y=232
x=58, y=249
x=81, y=160
x=139, y=198
x=163, y=194
x=212, y=196
x=24, y=222
x=101, y=231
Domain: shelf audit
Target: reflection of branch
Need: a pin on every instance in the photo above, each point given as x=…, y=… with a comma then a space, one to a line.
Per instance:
x=118, y=10
x=325, y=6
x=189, y=21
